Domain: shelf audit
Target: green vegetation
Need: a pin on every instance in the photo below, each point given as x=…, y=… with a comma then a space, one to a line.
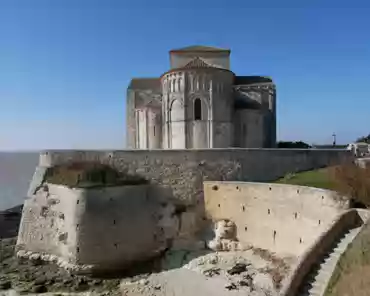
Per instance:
x=348, y=179
x=293, y=145
x=90, y=174
x=317, y=178
x=365, y=139
x=352, y=274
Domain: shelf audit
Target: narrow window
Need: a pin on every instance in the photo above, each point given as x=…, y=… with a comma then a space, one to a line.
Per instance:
x=197, y=109
x=154, y=130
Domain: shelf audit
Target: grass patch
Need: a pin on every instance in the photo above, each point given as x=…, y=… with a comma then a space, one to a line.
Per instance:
x=352, y=274
x=90, y=174
x=320, y=178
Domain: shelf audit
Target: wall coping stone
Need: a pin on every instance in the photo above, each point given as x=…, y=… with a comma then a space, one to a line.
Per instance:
x=343, y=222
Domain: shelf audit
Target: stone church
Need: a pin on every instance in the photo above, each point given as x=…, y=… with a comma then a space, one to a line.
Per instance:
x=200, y=103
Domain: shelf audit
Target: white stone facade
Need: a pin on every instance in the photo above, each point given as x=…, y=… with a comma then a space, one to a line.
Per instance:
x=199, y=103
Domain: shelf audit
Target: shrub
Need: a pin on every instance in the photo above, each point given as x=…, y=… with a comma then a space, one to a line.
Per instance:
x=353, y=181
x=90, y=174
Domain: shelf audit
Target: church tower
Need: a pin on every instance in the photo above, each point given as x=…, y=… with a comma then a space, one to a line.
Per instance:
x=197, y=99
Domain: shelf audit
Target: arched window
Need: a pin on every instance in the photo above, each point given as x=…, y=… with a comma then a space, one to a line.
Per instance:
x=197, y=109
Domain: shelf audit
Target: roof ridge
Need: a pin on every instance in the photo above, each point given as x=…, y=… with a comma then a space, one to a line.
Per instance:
x=202, y=48
x=197, y=63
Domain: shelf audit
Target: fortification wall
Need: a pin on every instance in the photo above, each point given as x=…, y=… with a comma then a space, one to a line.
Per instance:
x=183, y=171
x=48, y=223
x=285, y=219
x=179, y=174
x=97, y=228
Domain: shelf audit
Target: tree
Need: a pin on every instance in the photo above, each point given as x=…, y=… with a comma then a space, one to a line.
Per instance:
x=293, y=145
x=364, y=139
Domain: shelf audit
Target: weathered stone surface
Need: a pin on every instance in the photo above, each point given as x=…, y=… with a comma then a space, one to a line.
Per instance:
x=182, y=172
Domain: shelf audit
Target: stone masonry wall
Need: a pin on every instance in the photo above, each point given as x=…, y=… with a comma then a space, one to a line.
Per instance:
x=184, y=171
x=283, y=219
x=97, y=229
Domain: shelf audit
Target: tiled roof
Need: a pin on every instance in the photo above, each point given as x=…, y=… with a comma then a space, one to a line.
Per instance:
x=200, y=48
x=145, y=83
x=240, y=80
x=197, y=63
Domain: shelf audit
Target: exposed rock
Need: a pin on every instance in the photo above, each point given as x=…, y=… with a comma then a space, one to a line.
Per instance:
x=39, y=289
x=263, y=282
x=225, y=237
x=9, y=221
x=231, y=286
x=212, y=271
x=237, y=269
x=5, y=285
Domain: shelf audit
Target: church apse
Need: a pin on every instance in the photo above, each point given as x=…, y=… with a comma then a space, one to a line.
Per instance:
x=199, y=103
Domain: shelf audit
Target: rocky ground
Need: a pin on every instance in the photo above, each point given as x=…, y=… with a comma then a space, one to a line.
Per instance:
x=182, y=273
x=217, y=273
x=38, y=277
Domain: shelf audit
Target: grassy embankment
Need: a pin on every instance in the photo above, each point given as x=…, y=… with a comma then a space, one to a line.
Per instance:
x=318, y=178
x=352, y=274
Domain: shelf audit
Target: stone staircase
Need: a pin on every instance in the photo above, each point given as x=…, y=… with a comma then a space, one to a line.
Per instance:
x=318, y=279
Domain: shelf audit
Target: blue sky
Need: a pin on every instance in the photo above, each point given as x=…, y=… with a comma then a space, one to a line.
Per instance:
x=65, y=65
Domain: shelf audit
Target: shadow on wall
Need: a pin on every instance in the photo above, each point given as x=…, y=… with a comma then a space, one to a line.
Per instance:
x=279, y=218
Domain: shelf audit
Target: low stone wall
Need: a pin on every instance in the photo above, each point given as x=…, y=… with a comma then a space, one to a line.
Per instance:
x=323, y=243
x=97, y=228
x=185, y=170
x=284, y=219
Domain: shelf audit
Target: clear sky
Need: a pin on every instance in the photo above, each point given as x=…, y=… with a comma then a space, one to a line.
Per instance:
x=65, y=64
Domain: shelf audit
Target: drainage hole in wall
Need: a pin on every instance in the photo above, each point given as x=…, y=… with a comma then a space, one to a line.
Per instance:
x=243, y=208
x=78, y=250
x=219, y=205
x=77, y=226
x=215, y=187
x=116, y=246
x=295, y=215
x=300, y=240
x=237, y=187
x=245, y=228
x=319, y=222
x=114, y=222
x=270, y=188
x=297, y=190
x=268, y=211
x=78, y=201
x=322, y=197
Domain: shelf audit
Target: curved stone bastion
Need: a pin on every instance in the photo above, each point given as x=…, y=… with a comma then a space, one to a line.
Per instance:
x=283, y=219
x=87, y=229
